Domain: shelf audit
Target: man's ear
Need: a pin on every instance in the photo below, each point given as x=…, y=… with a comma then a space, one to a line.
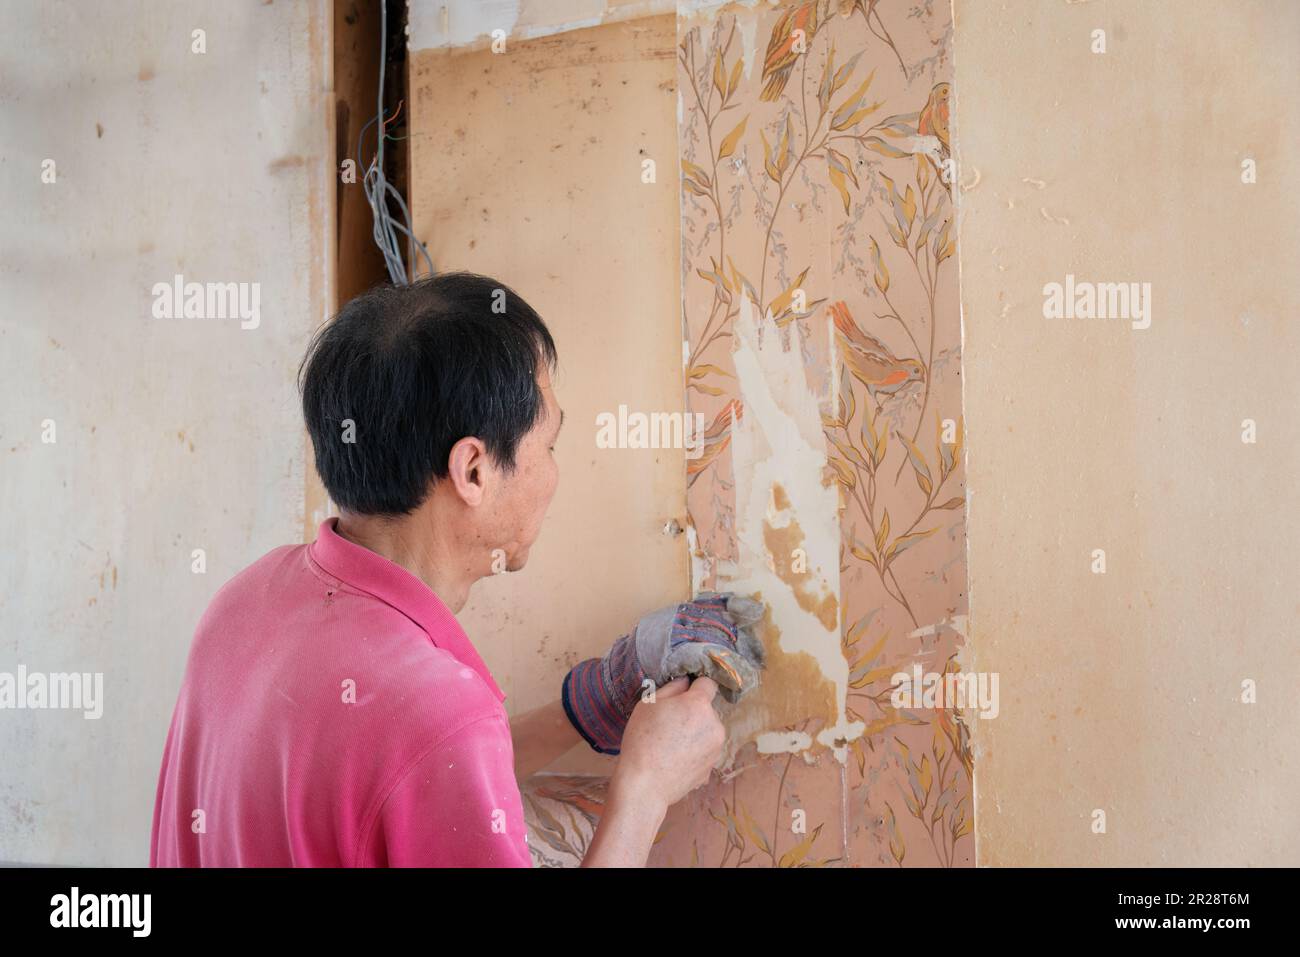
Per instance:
x=467, y=469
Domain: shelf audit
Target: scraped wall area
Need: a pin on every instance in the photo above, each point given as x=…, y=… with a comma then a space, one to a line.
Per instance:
x=761, y=200
x=1068, y=641
x=822, y=343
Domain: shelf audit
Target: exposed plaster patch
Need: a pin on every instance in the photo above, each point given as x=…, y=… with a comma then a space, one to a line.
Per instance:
x=704, y=12
x=468, y=24
x=927, y=145
x=956, y=623
x=785, y=541
x=701, y=564
x=748, y=29
x=783, y=742
x=457, y=23
x=779, y=456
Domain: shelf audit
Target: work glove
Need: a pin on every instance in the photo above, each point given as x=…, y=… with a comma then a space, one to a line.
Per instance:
x=711, y=636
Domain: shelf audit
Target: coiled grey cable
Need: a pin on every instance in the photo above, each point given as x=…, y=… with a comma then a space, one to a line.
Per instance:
x=378, y=189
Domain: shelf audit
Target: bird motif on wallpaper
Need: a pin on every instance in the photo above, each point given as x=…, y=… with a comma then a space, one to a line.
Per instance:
x=933, y=121
x=870, y=360
x=716, y=438
x=924, y=133
x=782, y=54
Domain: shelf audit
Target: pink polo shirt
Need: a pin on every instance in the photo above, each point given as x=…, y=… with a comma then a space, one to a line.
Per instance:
x=334, y=714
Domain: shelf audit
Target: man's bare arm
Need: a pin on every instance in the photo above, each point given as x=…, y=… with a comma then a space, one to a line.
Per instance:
x=669, y=748
x=627, y=829
x=540, y=737
x=632, y=814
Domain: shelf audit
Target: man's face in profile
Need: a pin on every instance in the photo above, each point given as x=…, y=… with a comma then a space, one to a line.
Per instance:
x=521, y=498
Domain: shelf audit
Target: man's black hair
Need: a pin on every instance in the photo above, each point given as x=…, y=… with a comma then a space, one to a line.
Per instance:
x=415, y=369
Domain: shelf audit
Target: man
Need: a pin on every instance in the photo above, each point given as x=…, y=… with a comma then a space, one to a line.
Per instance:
x=333, y=712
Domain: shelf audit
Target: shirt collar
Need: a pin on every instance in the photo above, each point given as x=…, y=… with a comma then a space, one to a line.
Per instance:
x=392, y=584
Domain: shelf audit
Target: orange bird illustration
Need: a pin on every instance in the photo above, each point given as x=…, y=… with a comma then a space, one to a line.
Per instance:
x=870, y=360
x=716, y=438
x=781, y=53
x=934, y=122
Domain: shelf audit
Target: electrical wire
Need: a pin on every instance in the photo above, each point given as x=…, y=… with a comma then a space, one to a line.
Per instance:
x=378, y=190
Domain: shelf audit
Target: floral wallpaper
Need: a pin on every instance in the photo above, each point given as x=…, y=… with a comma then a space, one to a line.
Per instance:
x=823, y=344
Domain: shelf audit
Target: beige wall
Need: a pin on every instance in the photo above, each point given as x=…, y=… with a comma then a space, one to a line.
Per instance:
x=171, y=434
x=527, y=167
x=1121, y=691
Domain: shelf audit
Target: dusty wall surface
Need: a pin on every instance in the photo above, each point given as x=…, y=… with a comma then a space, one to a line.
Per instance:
x=822, y=343
x=468, y=24
x=170, y=435
x=1122, y=691
x=788, y=271
x=527, y=165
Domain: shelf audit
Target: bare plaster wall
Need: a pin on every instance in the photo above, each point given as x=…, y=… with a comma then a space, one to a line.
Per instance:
x=171, y=435
x=1122, y=692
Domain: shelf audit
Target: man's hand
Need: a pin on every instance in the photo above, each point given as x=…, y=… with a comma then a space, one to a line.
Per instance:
x=712, y=636
x=669, y=748
x=672, y=743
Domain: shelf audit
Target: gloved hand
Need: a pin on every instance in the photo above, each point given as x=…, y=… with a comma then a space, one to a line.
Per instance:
x=711, y=636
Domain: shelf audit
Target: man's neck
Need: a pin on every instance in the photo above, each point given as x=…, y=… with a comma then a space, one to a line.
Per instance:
x=404, y=541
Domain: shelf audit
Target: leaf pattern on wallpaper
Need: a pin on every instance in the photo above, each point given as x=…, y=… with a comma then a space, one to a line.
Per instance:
x=716, y=436
x=816, y=187
x=749, y=840
x=937, y=792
